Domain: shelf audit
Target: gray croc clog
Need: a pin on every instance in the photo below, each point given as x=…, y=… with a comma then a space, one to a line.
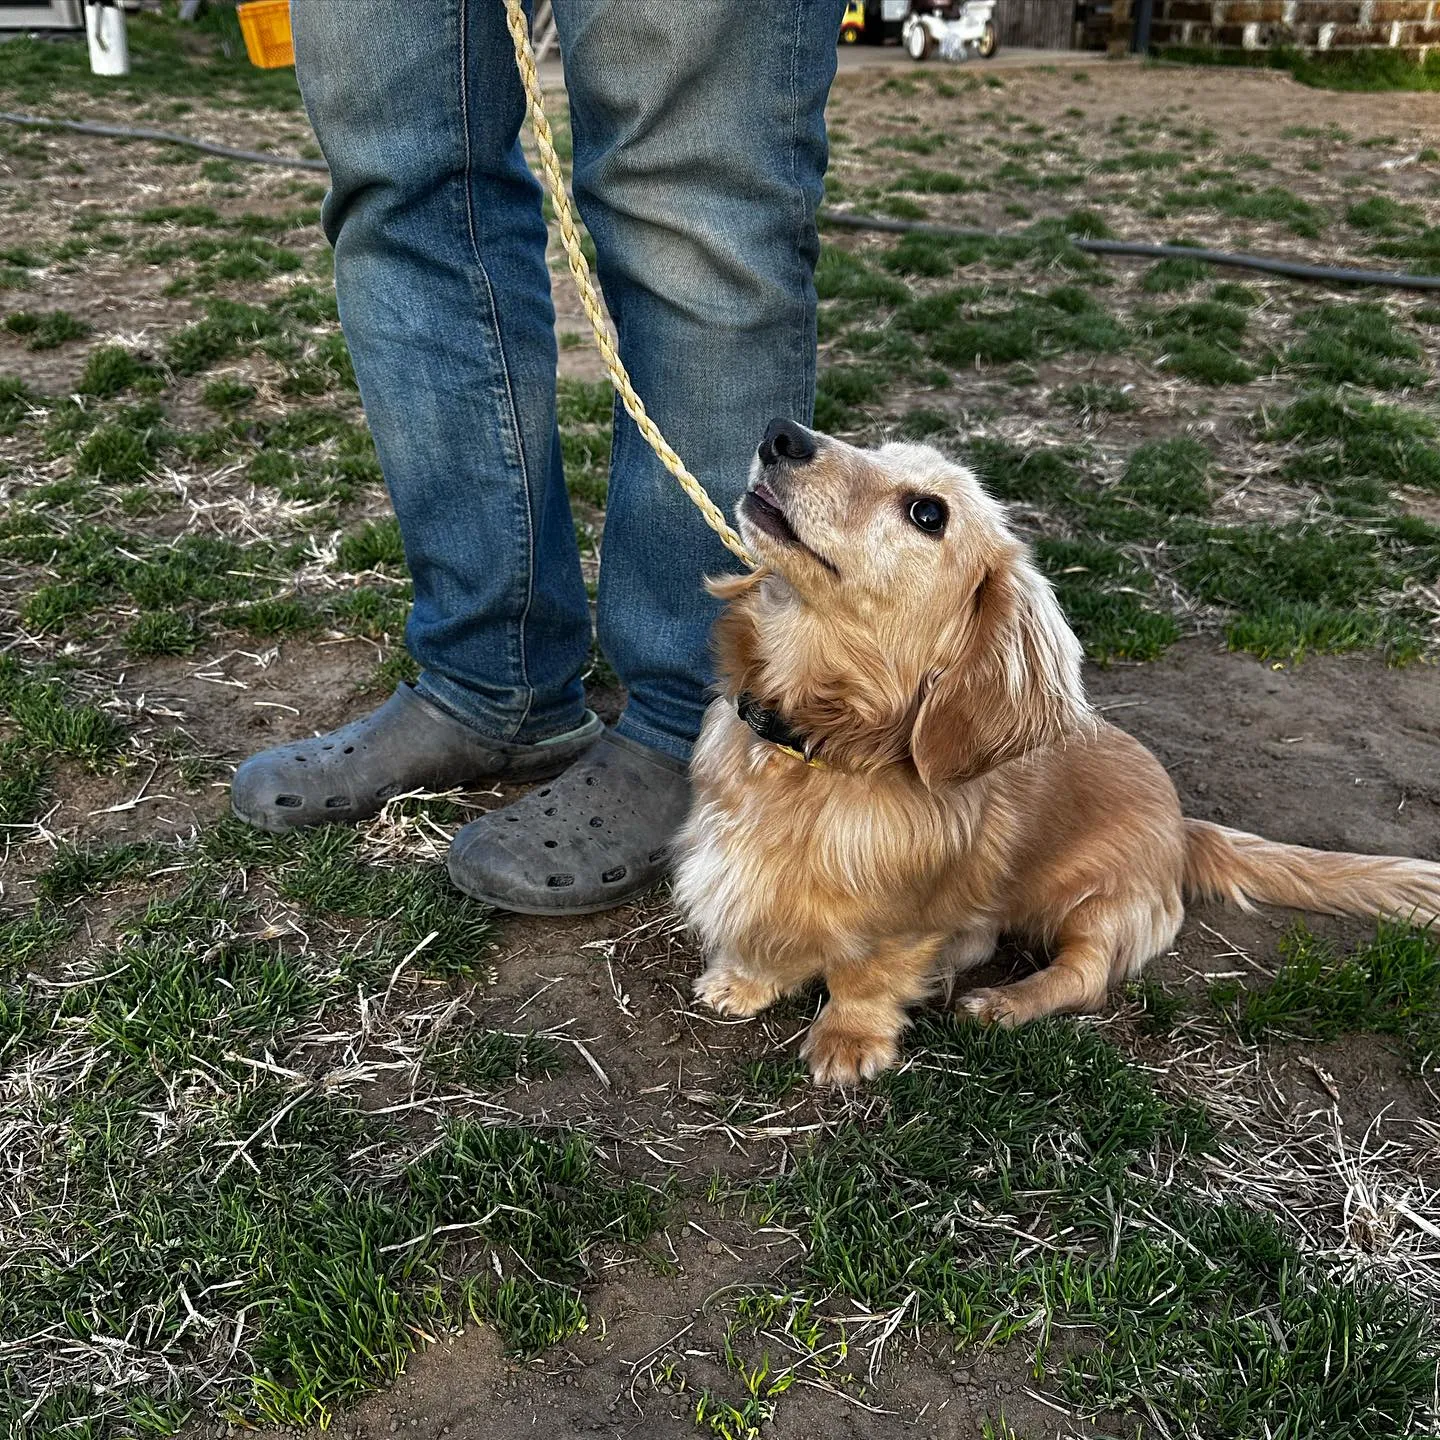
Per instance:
x=593, y=839
x=407, y=744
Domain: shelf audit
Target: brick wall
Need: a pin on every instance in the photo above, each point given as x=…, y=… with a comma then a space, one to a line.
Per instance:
x=1412, y=26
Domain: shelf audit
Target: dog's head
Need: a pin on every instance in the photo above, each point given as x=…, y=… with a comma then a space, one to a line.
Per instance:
x=894, y=615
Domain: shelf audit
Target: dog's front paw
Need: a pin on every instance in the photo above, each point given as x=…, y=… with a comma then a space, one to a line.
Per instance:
x=990, y=1007
x=732, y=992
x=841, y=1053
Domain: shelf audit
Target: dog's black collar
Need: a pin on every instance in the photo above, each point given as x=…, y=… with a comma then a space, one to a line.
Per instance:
x=772, y=726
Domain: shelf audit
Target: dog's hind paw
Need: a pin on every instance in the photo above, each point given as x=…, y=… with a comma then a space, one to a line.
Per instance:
x=839, y=1055
x=990, y=1007
x=732, y=992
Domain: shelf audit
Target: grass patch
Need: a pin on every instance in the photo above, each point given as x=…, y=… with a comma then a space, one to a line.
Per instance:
x=374, y=546
x=46, y=331
x=1355, y=445
x=1104, y=595
x=15, y=400
x=1202, y=341
x=1089, y=397
x=839, y=275
x=964, y=326
x=24, y=781
x=1175, y=272
x=227, y=395
x=1169, y=476
x=46, y=717
x=1049, y=1128
x=1380, y=215
x=1388, y=986
x=325, y=1226
x=1361, y=70
x=1357, y=343
x=112, y=369
x=228, y=327
x=164, y=632
x=584, y=410
x=846, y=395
x=204, y=60
x=1302, y=586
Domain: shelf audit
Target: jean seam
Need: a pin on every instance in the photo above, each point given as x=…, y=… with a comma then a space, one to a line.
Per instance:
x=504, y=367
x=798, y=190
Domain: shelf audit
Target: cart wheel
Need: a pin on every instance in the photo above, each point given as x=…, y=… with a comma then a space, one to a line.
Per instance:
x=918, y=43
x=989, y=41
x=849, y=34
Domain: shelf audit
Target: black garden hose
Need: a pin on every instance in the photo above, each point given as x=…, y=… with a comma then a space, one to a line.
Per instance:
x=1295, y=269
x=167, y=137
x=1271, y=265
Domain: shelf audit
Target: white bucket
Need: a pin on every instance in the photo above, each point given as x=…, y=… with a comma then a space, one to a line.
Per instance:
x=105, y=30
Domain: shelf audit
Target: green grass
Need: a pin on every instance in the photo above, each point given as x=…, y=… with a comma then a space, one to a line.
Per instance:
x=227, y=395
x=282, y=1199
x=163, y=632
x=110, y=370
x=846, y=396
x=1202, y=341
x=1029, y=1186
x=1380, y=215
x=24, y=781
x=168, y=61
x=1273, y=204
x=1354, y=445
x=1169, y=476
x=42, y=713
x=47, y=330
x=583, y=411
x=964, y=326
x=1175, y=272
x=1091, y=397
x=1388, y=986
x=1108, y=600
x=228, y=327
x=15, y=399
x=1359, y=70
x=375, y=545
x=1302, y=585
x=1357, y=343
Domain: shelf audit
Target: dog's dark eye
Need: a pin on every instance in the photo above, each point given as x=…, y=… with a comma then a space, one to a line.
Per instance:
x=928, y=514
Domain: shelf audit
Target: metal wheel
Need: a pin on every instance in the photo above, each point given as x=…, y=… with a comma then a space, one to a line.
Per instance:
x=989, y=41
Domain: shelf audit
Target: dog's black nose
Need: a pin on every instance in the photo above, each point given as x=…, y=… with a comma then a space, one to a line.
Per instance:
x=785, y=440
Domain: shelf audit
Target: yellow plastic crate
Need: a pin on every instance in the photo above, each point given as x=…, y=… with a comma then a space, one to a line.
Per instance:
x=265, y=24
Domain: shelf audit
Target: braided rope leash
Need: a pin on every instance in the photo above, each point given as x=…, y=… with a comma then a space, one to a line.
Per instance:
x=579, y=267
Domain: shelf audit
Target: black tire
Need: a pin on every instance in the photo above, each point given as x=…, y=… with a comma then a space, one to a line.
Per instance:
x=850, y=34
x=989, y=41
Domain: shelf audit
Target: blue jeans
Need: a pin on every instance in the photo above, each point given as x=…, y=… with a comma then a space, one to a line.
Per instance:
x=699, y=150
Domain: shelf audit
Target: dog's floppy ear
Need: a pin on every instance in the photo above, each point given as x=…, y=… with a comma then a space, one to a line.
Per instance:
x=734, y=638
x=1010, y=684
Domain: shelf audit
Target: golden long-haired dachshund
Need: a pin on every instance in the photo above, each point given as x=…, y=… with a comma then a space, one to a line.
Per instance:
x=903, y=766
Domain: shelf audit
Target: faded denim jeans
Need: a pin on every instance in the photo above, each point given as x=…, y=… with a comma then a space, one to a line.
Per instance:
x=699, y=151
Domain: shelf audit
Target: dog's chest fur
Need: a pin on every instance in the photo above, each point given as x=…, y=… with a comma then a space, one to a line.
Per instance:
x=780, y=857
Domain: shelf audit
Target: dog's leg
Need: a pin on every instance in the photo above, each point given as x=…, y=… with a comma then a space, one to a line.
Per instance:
x=1074, y=982
x=733, y=988
x=857, y=1034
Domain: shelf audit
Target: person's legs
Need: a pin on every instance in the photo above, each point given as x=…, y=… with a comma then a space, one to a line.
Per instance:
x=699, y=139
x=444, y=296
x=699, y=147
x=445, y=300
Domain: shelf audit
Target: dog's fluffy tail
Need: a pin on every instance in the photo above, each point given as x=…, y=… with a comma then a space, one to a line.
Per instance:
x=1224, y=864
